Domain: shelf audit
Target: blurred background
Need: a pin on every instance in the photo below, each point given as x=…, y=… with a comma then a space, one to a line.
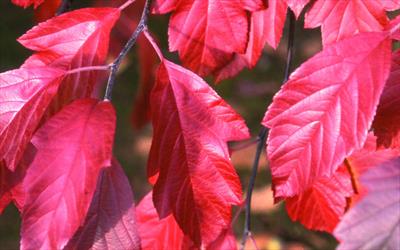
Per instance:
x=249, y=93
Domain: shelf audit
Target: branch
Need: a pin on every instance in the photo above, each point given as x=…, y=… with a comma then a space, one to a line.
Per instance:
x=65, y=6
x=132, y=40
x=263, y=135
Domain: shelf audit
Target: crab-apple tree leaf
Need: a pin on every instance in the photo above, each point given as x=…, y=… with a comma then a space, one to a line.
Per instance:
x=72, y=40
x=364, y=159
x=27, y=3
x=110, y=222
x=5, y=195
x=345, y=18
x=47, y=10
x=166, y=234
x=297, y=6
x=274, y=19
x=72, y=147
x=207, y=33
x=24, y=96
x=255, y=46
x=374, y=223
x=11, y=182
x=323, y=113
x=196, y=187
x=394, y=28
x=322, y=206
x=156, y=233
x=386, y=123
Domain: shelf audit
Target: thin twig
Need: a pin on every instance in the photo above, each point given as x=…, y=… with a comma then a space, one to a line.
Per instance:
x=263, y=135
x=132, y=40
x=65, y=6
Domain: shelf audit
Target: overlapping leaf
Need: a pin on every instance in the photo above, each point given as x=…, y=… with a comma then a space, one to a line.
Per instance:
x=321, y=206
x=322, y=114
x=70, y=41
x=24, y=96
x=158, y=233
x=207, y=33
x=345, y=18
x=47, y=10
x=374, y=223
x=11, y=182
x=27, y=3
x=257, y=39
x=386, y=123
x=189, y=160
x=110, y=222
x=72, y=147
x=165, y=233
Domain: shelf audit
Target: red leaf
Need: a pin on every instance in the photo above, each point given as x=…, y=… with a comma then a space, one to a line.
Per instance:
x=72, y=147
x=165, y=233
x=201, y=187
x=5, y=195
x=110, y=222
x=24, y=95
x=27, y=3
x=322, y=114
x=159, y=234
x=11, y=183
x=386, y=123
x=47, y=10
x=207, y=33
x=274, y=19
x=321, y=206
x=73, y=40
x=297, y=6
x=255, y=46
x=345, y=18
x=374, y=222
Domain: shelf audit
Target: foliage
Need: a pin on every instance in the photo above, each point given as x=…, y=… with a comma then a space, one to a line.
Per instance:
x=333, y=133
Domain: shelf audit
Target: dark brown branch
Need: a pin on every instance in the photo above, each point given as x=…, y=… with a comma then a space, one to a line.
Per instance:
x=132, y=40
x=263, y=135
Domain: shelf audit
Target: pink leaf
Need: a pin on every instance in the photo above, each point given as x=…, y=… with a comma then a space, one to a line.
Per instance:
x=255, y=46
x=158, y=233
x=207, y=33
x=374, y=222
x=274, y=19
x=165, y=233
x=11, y=183
x=73, y=40
x=27, y=3
x=25, y=95
x=322, y=206
x=72, y=147
x=188, y=116
x=110, y=222
x=322, y=114
x=297, y=6
x=386, y=123
x=345, y=18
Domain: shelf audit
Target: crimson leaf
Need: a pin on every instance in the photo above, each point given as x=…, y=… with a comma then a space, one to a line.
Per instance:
x=71, y=147
x=24, y=97
x=189, y=161
x=110, y=222
x=322, y=114
x=374, y=223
